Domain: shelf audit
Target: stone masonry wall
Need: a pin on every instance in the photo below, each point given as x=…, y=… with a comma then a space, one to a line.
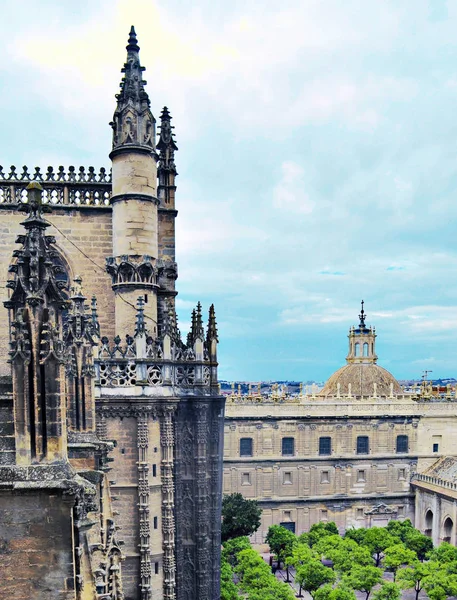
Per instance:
x=90, y=230
x=36, y=546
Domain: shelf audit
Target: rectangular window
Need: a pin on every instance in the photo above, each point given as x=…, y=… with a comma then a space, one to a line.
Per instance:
x=402, y=443
x=288, y=446
x=287, y=477
x=401, y=474
x=325, y=477
x=290, y=525
x=156, y=522
x=154, y=470
x=359, y=513
x=436, y=441
x=363, y=444
x=325, y=445
x=245, y=479
x=324, y=515
x=401, y=511
x=156, y=568
x=360, y=475
x=246, y=447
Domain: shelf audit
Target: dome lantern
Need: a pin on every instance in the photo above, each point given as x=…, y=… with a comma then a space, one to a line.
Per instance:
x=362, y=342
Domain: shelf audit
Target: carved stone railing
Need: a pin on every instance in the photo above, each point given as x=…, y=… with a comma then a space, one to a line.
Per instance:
x=135, y=372
x=451, y=485
x=143, y=361
x=72, y=189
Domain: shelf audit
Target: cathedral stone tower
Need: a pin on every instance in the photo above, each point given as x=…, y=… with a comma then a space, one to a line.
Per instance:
x=134, y=199
x=157, y=397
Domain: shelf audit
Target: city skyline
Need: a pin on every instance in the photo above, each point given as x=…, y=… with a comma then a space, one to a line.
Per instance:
x=317, y=162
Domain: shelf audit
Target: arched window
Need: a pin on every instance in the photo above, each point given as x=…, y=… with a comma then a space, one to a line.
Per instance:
x=447, y=530
x=365, y=349
x=428, y=523
x=357, y=349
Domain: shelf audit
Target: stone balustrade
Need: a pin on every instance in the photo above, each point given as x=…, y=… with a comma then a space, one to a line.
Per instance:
x=72, y=188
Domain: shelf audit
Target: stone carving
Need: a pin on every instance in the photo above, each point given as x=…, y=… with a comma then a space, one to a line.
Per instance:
x=143, y=506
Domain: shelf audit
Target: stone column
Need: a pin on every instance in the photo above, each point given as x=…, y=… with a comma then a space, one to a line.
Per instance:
x=143, y=507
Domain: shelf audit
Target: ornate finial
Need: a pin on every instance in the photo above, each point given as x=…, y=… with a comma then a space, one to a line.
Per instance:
x=132, y=45
x=140, y=327
x=362, y=317
x=199, y=330
x=35, y=282
x=94, y=317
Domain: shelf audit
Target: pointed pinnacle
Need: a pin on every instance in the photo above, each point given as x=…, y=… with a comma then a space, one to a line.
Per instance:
x=140, y=323
x=133, y=41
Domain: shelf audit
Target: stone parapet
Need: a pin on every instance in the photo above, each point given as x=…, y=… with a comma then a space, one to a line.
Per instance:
x=72, y=189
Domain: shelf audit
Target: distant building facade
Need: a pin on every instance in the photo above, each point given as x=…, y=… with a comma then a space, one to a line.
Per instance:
x=345, y=454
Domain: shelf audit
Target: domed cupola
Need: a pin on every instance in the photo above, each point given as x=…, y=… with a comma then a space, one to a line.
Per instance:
x=361, y=376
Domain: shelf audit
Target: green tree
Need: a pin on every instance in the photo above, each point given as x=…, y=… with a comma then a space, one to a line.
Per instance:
x=240, y=517
x=397, y=555
x=439, y=585
x=320, y=530
x=400, y=528
x=387, y=591
x=340, y=592
x=418, y=542
x=256, y=577
x=358, y=535
x=363, y=579
x=301, y=554
x=281, y=542
x=343, y=552
x=274, y=591
x=412, y=577
x=377, y=539
x=444, y=553
x=231, y=548
x=228, y=588
x=312, y=575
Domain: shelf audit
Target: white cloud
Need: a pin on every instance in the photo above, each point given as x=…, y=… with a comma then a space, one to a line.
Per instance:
x=290, y=193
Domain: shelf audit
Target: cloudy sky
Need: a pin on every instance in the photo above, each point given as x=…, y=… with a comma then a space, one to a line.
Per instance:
x=317, y=162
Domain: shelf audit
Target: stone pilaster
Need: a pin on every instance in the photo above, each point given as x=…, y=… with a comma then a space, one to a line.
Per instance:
x=143, y=506
x=167, y=443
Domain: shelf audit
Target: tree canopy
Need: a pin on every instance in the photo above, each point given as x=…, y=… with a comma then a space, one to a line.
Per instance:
x=240, y=517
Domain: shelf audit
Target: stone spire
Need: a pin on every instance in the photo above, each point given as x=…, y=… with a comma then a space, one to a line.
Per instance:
x=37, y=347
x=166, y=144
x=80, y=337
x=212, y=325
x=133, y=122
x=362, y=342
